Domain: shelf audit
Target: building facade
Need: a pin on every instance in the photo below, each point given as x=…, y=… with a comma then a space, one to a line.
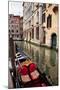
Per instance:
x=32, y=22
x=50, y=25
x=40, y=23
x=14, y=26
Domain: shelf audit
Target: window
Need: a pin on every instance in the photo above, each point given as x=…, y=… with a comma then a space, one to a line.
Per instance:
x=9, y=25
x=12, y=35
x=29, y=22
x=44, y=7
x=44, y=37
x=17, y=31
x=21, y=28
x=37, y=32
x=49, y=5
x=30, y=35
x=12, y=21
x=37, y=16
x=43, y=18
x=12, y=25
x=33, y=33
x=12, y=30
x=21, y=35
x=17, y=36
x=17, y=25
x=9, y=30
x=49, y=20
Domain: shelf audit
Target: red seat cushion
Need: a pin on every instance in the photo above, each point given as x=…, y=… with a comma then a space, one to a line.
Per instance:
x=24, y=70
x=32, y=67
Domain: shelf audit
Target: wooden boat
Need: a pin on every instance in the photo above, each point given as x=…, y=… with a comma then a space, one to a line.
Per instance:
x=29, y=74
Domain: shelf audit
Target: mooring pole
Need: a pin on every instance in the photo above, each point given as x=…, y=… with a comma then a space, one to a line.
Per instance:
x=12, y=55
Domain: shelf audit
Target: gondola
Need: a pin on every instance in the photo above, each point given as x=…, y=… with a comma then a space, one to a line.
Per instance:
x=29, y=75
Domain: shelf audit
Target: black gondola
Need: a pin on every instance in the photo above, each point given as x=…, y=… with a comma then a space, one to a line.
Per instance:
x=39, y=82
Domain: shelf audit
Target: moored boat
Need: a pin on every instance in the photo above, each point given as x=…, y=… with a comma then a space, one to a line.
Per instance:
x=29, y=74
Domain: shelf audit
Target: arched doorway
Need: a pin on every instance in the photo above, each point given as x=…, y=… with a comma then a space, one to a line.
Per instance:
x=53, y=40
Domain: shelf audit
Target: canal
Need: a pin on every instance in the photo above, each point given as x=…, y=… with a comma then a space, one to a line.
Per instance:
x=46, y=59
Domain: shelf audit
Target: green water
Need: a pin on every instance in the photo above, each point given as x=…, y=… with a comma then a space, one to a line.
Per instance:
x=46, y=59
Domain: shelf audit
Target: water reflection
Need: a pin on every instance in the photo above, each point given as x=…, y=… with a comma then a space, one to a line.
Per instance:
x=46, y=59
x=52, y=58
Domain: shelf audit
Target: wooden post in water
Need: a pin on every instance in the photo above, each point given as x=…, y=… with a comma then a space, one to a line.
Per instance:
x=12, y=55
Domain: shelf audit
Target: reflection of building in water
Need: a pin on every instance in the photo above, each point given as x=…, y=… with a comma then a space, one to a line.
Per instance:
x=37, y=56
x=40, y=23
x=51, y=63
x=52, y=58
x=47, y=70
x=42, y=59
x=32, y=53
x=46, y=60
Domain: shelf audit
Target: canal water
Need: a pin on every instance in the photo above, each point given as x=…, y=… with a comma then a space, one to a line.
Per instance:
x=46, y=59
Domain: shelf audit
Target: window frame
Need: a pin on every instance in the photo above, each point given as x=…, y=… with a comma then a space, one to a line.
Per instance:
x=43, y=17
x=49, y=21
x=37, y=32
x=32, y=33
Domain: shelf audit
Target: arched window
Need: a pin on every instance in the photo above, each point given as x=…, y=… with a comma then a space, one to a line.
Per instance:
x=37, y=32
x=43, y=17
x=49, y=21
x=33, y=33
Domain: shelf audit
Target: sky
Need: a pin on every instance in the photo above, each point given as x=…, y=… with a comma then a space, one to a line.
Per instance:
x=16, y=8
